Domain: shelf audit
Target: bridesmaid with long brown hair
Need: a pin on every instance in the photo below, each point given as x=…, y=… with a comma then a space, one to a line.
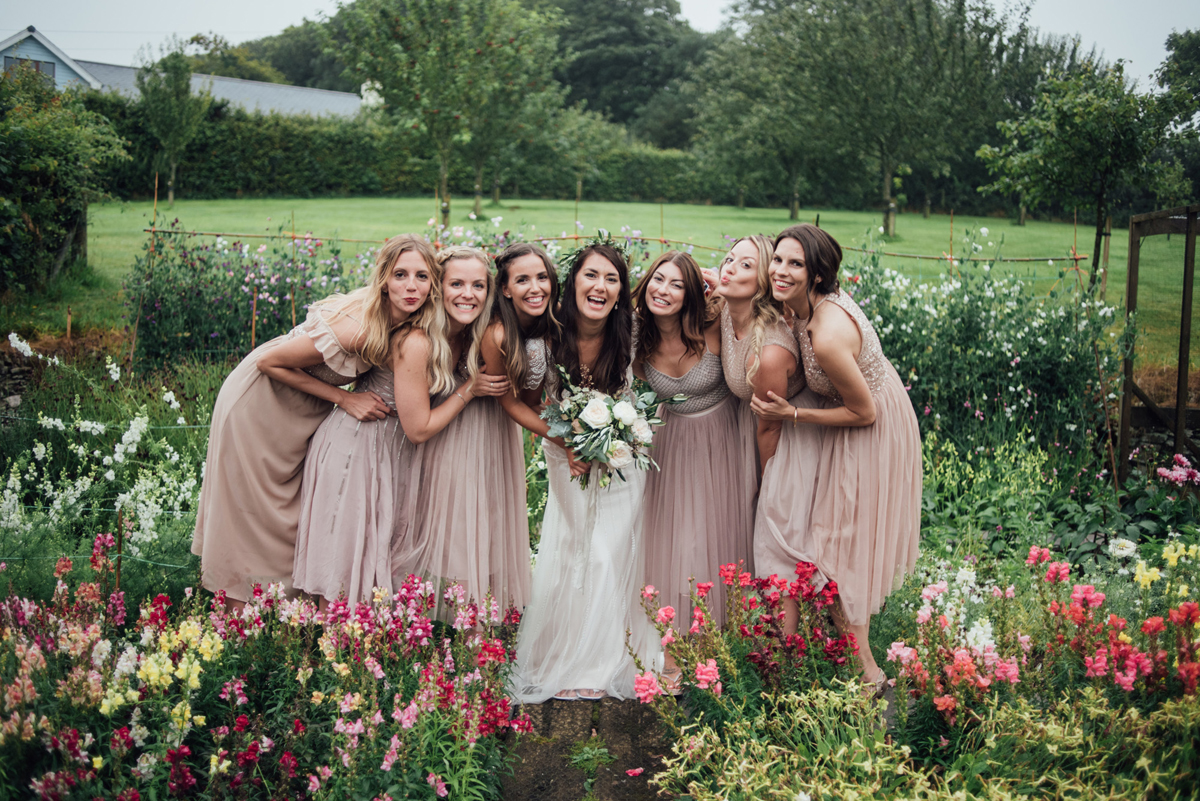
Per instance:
x=693, y=522
x=866, y=520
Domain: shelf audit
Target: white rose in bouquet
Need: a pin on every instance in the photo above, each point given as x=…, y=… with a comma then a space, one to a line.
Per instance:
x=643, y=431
x=622, y=456
x=595, y=414
x=624, y=412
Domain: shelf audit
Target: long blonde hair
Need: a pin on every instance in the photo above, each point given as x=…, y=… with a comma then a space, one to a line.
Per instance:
x=368, y=303
x=764, y=309
x=441, y=371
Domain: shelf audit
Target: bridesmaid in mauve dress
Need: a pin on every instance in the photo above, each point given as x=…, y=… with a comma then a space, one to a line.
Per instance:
x=267, y=411
x=693, y=523
x=866, y=520
x=468, y=522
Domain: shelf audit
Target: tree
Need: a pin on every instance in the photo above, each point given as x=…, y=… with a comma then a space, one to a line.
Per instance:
x=425, y=57
x=510, y=85
x=581, y=137
x=1181, y=69
x=50, y=166
x=307, y=54
x=1087, y=136
x=173, y=113
x=884, y=76
x=219, y=57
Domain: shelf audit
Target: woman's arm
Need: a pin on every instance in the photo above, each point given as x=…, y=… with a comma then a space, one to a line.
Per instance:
x=775, y=366
x=836, y=342
x=410, y=367
x=283, y=363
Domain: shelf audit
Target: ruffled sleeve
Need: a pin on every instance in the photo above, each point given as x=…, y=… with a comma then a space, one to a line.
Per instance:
x=337, y=358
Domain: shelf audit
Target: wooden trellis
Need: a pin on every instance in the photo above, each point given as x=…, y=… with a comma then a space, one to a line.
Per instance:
x=1183, y=221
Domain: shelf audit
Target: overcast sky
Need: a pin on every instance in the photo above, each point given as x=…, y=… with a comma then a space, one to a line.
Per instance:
x=113, y=30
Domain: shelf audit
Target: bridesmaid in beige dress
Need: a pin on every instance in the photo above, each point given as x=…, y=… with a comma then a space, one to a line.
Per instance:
x=693, y=523
x=468, y=524
x=269, y=407
x=760, y=355
x=866, y=520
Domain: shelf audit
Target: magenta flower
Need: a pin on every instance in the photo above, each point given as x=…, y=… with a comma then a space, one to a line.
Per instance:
x=666, y=614
x=645, y=687
x=707, y=674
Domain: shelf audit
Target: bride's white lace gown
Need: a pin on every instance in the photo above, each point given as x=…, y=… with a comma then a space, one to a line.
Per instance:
x=587, y=583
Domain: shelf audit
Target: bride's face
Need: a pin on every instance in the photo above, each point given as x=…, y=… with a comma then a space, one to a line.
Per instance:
x=597, y=287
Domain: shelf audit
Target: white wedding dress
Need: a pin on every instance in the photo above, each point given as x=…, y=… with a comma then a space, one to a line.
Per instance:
x=586, y=592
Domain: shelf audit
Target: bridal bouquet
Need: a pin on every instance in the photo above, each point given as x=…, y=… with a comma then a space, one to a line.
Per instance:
x=616, y=434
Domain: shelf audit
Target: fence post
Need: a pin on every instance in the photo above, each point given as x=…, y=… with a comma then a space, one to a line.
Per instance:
x=1185, y=333
x=1104, y=257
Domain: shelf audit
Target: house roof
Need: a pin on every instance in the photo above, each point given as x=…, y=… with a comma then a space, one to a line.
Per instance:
x=53, y=48
x=250, y=95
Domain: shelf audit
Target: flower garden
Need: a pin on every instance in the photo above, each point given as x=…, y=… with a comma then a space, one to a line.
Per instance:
x=1045, y=645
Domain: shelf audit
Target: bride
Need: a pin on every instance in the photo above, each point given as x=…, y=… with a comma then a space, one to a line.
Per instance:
x=571, y=643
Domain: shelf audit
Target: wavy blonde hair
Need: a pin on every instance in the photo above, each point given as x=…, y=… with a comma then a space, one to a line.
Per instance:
x=368, y=303
x=764, y=309
x=441, y=371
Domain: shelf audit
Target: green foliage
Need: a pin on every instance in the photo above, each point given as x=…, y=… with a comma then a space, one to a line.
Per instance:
x=1087, y=135
x=588, y=756
x=1181, y=69
x=50, y=167
x=172, y=113
x=219, y=57
x=303, y=54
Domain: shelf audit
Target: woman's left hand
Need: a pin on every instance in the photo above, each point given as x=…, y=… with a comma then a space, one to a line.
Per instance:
x=774, y=408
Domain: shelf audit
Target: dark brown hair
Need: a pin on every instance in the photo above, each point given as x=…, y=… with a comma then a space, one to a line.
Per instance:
x=609, y=374
x=822, y=255
x=692, y=318
x=516, y=360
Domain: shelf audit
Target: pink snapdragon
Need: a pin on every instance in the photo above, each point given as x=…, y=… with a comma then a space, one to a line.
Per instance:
x=645, y=687
x=648, y=592
x=666, y=615
x=1037, y=555
x=924, y=614
x=708, y=674
x=668, y=638
x=1086, y=595
x=1097, y=667
x=934, y=590
x=439, y=786
x=1057, y=571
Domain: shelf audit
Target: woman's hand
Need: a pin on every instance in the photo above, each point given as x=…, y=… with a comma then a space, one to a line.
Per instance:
x=773, y=408
x=364, y=406
x=710, y=277
x=491, y=386
x=578, y=467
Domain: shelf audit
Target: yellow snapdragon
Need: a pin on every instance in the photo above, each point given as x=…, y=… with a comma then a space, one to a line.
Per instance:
x=341, y=668
x=1172, y=552
x=113, y=700
x=98, y=762
x=189, y=633
x=188, y=670
x=217, y=766
x=181, y=715
x=1145, y=576
x=1125, y=638
x=317, y=697
x=210, y=646
x=1183, y=590
x=155, y=670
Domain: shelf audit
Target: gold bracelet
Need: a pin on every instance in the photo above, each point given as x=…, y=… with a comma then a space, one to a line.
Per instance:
x=795, y=411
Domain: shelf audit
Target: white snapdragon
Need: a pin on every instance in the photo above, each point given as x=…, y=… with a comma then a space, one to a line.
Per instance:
x=980, y=636
x=169, y=399
x=52, y=423
x=20, y=345
x=39, y=451
x=114, y=369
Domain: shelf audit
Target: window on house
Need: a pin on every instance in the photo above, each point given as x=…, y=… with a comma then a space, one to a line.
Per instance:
x=44, y=67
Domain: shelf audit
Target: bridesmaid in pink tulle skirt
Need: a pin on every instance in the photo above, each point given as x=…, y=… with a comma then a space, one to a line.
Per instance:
x=866, y=517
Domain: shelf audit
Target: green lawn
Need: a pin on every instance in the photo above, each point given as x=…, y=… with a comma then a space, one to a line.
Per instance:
x=116, y=237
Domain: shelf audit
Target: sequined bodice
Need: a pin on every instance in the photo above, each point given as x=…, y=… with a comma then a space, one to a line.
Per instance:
x=871, y=361
x=704, y=384
x=380, y=381
x=736, y=352
x=539, y=359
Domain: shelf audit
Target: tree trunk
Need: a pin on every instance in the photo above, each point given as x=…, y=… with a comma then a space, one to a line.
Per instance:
x=794, y=206
x=1021, y=218
x=927, y=205
x=479, y=190
x=741, y=203
x=496, y=189
x=444, y=188
x=889, y=205
x=61, y=256
x=171, y=186
x=81, y=236
x=1099, y=243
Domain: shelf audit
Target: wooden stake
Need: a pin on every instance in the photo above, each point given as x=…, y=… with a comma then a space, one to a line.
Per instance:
x=293, y=267
x=662, y=230
x=68, y=323
x=253, y=316
x=1104, y=257
x=951, y=237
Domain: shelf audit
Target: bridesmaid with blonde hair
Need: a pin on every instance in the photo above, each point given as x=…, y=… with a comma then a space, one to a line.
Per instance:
x=361, y=478
x=760, y=355
x=270, y=406
x=866, y=521
x=468, y=524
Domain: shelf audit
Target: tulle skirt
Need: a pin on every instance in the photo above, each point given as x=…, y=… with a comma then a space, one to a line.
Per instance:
x=357, y=478
x=470, y=525
x=699, y=513
x=866, y=516
x=586, y=590
x=782, y=528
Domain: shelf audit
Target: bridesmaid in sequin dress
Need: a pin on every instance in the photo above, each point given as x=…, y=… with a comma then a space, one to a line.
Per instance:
x=866, y=519
x=270, y=406
x=693, y=523
x=361, y=481
x=760, y=355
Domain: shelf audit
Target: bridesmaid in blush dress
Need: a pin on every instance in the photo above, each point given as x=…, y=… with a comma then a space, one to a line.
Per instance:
x=361, y=479
x=865, y=525
x=693, y=523
x=268, y=409
x=760, y=356
x=468, y=522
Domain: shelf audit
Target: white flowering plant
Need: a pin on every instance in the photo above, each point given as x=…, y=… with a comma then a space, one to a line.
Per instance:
x=614, y=433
